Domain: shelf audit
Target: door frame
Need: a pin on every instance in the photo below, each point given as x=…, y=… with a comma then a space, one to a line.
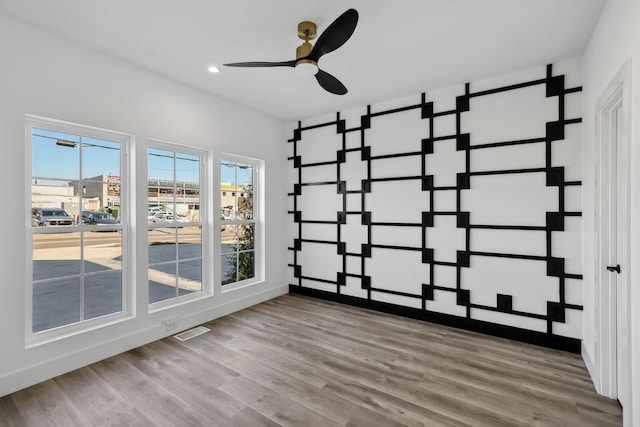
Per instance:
x=617, y=93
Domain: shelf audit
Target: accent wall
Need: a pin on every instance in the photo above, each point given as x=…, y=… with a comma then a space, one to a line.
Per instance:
x=460, y=206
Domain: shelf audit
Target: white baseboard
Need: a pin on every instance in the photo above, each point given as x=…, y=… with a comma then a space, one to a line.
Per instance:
x=34, y=374
x=590, y=362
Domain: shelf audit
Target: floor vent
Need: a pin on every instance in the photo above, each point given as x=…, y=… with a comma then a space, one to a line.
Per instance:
x=191, y=333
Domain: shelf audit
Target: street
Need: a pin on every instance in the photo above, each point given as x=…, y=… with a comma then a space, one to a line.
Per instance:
x=173, y=270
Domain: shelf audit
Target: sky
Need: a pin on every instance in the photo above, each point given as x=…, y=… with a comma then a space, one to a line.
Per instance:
x=52, y=161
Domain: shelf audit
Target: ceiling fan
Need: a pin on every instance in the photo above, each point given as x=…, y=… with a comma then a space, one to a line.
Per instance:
x=307, y=55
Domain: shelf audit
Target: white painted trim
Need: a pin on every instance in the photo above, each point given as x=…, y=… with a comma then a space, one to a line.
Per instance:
x=590, y=362
x=30, y=375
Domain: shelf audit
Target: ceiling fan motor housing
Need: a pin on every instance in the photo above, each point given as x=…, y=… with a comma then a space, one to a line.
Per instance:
x=307, y=30
x=303, y=51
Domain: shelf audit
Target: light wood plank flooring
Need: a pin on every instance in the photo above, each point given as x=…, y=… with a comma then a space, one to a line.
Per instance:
x=298, y=361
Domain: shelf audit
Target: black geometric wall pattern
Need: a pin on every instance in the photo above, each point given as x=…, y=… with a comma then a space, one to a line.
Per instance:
x=462, y=210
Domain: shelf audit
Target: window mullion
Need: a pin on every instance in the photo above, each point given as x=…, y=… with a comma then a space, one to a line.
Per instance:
x=79, y=220
x=175, y=184
x=82, y=290
x=177, y=256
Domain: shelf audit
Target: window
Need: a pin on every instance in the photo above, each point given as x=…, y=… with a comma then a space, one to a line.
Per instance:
x=176, y=222
x=76, y=217
x=239, y=220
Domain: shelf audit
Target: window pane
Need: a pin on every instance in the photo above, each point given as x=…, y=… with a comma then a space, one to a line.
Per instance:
x=161, y=164
x=101, y=195
x=246, y=236
x=160, y=194
x=227, y=202
x=244, y=175
x=190, y=276
x=188, y=186
x=228, y=173
x=56, y=303
x=190, y=242
x=161, y=181
x=188, y=168
x=229, y=239
x=246, y=267
x=162, y=282
x=56, y=255
x=102, y=251
x=162, y=245
x=100, y=159
x=112, y=203
x=245, y=191
x=228, y=188
x=102, y=294
x=55, y=155
x=228, y=264
x=245, y=205
x=236, y=190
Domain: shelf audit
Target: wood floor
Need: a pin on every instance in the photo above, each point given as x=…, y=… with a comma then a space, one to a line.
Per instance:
x=298, y=361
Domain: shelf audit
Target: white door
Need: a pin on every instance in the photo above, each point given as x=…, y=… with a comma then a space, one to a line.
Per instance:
x=619, y=248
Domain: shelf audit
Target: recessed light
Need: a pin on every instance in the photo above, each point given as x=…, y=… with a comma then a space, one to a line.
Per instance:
x=213, y=69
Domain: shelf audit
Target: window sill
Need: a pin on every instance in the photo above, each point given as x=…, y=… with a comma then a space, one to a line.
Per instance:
x=240, y=285
x=177, y=301
x=36, y=339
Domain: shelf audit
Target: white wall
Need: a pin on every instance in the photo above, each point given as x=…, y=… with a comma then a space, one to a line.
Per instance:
x=615, y=40
x=47, y=76
x=507, y=203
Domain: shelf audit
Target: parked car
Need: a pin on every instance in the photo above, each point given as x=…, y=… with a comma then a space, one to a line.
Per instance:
x=152, y=210
x=97, y=218
x=43, y=217
x=167, y=217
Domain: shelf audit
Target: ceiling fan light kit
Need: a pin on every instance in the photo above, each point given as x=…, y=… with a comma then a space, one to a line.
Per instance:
x=307, y=30
x=307, y=68
x=308, y=55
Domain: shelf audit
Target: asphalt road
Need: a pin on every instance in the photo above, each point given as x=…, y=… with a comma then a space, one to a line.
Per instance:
x=57, y=294
x=158, y=235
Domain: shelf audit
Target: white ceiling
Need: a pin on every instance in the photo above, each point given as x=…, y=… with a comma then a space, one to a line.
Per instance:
x=399, y=48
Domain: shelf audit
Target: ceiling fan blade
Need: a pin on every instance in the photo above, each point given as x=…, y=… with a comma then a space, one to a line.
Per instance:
x=330, y=83
x=335, y=35
x=262, y=64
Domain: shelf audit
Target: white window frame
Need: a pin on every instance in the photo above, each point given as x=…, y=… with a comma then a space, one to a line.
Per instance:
x=204, y=222
x=258, y=221
x=127, y=142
